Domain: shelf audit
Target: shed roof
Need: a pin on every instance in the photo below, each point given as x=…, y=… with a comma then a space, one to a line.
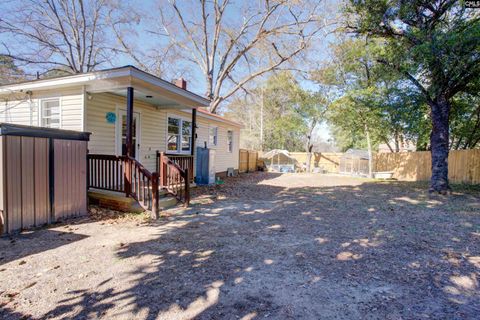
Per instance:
x=275, y=152
x=356, y=153
x=8, y=129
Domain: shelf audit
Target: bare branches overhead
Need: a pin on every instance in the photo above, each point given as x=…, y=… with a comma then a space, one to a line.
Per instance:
x=233, y=42
x=66, y=35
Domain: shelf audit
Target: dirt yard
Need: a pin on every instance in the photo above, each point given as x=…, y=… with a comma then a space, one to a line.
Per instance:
x=262, y=246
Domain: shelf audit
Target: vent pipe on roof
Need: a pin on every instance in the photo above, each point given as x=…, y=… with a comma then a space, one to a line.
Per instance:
x=181, y=83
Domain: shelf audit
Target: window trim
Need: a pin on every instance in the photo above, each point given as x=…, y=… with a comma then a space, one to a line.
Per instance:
x=216, y=136
x=179, y=150
x=40, y=111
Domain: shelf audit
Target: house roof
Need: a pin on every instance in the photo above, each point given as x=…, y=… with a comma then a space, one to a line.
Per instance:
x=207, y=114
x=115, y=80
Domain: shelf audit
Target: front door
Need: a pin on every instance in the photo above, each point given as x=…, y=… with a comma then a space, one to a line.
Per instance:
x=122, y=134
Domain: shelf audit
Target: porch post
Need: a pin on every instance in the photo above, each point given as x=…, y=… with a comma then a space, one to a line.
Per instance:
x=155, y=195
x=129, y=140
x=194, y=129
x=191, y=162
x=129, y=122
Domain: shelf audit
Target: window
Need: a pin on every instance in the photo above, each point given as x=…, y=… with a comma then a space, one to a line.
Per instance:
x=50, y=113
x=179, y=139
x=230, y=140
x=186, y=136
x=213, y=136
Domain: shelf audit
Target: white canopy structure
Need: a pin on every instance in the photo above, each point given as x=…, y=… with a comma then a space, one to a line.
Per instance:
x=279, y=161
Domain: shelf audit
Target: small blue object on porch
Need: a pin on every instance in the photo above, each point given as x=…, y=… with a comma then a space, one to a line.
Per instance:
x=111, y=117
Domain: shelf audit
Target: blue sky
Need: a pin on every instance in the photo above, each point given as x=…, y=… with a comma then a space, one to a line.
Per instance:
x=195, y=78
x=145, y=41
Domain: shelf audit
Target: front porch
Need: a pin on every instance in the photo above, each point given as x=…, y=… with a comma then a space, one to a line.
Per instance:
x=135, y=149
x=124, y=176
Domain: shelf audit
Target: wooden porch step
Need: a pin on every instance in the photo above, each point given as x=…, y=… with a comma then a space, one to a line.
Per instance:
x=113, y=200
x=167, y=202
x=182, y=186
x=118, y=201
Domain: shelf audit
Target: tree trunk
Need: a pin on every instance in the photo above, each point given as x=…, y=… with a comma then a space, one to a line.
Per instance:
x=369, y=145
x=214, y=105
x=309, y=157
x=309, y=161
x=261, y=120
x=439, y=142
x=397, y=143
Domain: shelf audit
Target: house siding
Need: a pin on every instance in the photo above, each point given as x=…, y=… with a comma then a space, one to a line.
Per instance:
x=223, y=158
x=20, y=109
x=87, y=112
x=153, y=130
x=103, y=138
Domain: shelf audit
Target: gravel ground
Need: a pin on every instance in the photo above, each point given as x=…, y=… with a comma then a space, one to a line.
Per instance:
x=263, y=245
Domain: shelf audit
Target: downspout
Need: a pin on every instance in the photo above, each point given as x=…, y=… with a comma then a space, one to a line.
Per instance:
x=84, y=109
x=30, y=106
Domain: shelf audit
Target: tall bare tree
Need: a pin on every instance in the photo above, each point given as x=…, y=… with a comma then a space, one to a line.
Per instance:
x=59, y=35
x=232, y=42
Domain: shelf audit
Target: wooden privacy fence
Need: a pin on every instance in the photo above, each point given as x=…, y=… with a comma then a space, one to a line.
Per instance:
x=328, y=161
x=463, y=165
x=247, y=160
x=43, y=176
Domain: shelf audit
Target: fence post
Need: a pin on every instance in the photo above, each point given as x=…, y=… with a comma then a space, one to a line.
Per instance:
x=248, y=161
x=191, y=164
x=163, y=171
x=51, y=178
x=187, y=187
x=155, y=195
x=88, y=173
x=127, y=177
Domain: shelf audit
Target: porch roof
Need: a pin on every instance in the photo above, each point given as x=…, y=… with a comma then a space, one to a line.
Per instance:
x=148, y=88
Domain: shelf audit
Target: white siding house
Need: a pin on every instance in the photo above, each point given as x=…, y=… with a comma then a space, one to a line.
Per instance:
x=95, y=102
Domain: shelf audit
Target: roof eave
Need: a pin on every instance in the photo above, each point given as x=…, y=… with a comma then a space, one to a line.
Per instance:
x=142, y=75
x=84, y=79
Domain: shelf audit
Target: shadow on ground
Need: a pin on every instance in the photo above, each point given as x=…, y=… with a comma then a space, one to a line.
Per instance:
x=40, y=240
x=273, y=247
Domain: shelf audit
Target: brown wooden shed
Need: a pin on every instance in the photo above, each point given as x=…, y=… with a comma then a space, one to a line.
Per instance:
x=43, y=176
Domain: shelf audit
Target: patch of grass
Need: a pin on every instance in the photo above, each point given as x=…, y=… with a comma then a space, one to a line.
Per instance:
x=462, y=187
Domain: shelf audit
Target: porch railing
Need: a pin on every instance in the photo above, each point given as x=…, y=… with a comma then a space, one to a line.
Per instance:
x=106, y=172
x=127, y=175
x=183, y=161
x=144, y=185
x=124, y=174
x=173, y=178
